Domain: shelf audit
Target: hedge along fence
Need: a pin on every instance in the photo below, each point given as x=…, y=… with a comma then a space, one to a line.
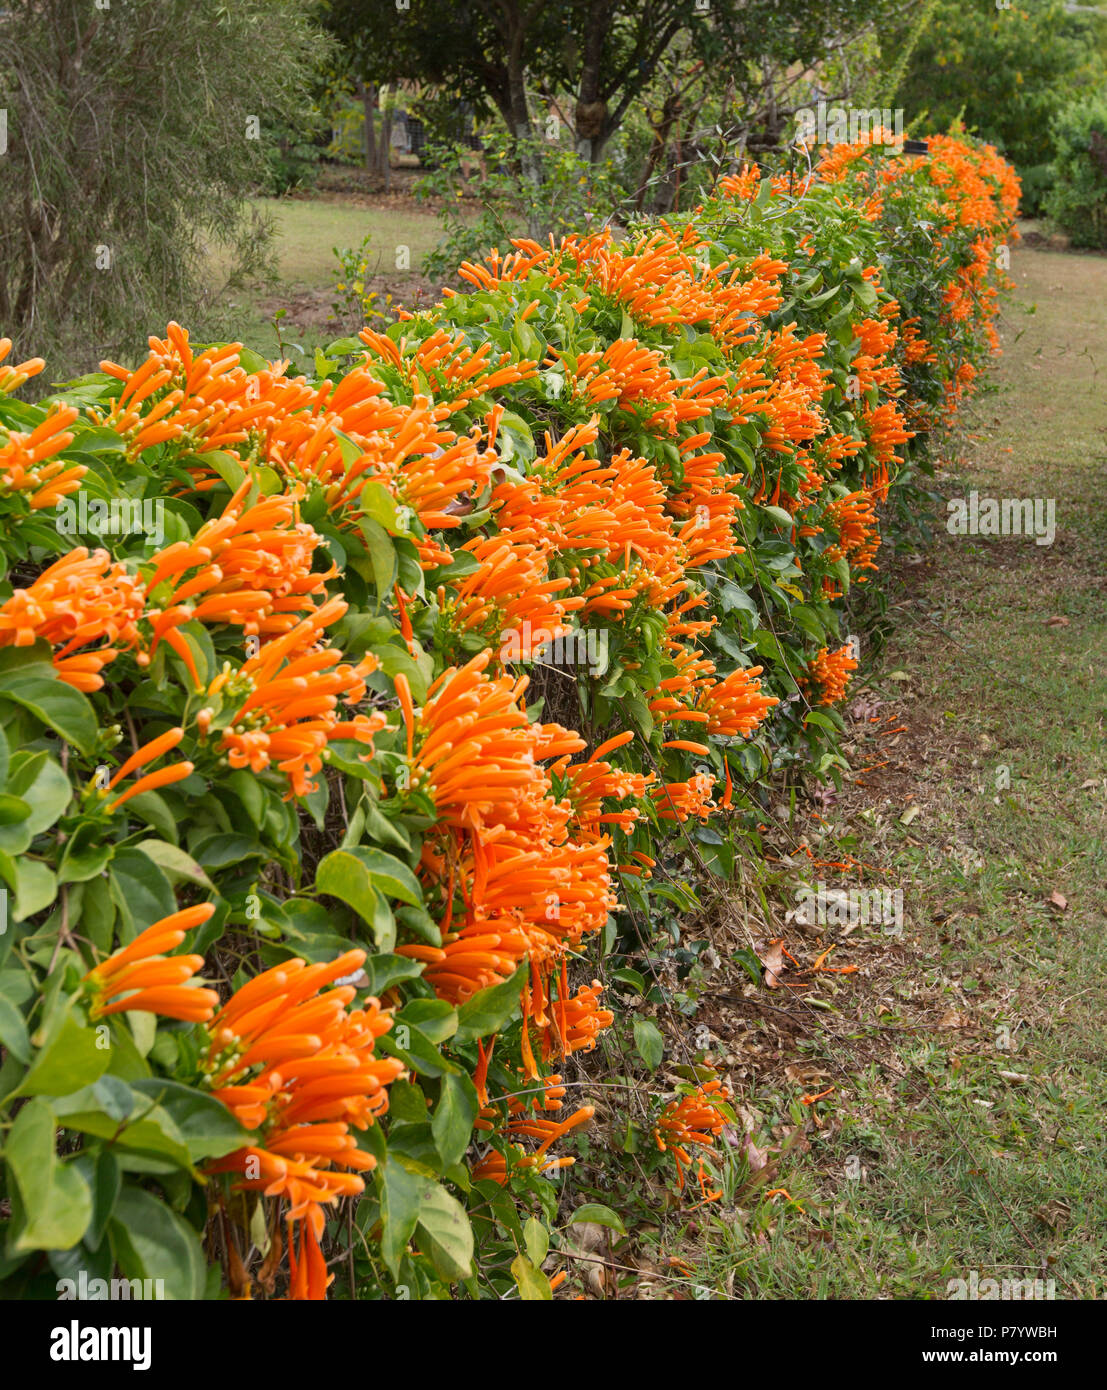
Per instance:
x=276, y=726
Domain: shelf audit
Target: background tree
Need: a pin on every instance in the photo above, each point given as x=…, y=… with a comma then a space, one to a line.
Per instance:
x=1006, y=73
x=135, y=133
x=593, y=58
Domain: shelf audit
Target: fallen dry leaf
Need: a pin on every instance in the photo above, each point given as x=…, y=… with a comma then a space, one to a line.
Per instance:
x=1056, y=622
x=1059, y=901
x=772, y=958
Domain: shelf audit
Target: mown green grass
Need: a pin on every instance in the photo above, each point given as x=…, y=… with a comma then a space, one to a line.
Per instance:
x=308, y=229
x=306, y=232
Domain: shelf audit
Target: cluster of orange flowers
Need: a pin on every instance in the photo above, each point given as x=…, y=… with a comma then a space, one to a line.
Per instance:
x=530, y=1121
x=974, y=187
x=25, y=459
x=287, y=1056
x=828, y=675
x=590, y=535
x=79, y=600
x=516, y=873
x=692, y=1121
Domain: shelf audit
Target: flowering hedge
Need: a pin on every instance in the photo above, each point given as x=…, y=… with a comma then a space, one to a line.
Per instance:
x=385, y=701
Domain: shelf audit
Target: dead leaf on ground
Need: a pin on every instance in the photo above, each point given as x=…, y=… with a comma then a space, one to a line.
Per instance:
x=772, y=958
x=1059, y=901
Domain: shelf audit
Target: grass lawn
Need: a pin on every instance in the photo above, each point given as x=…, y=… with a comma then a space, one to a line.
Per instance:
x=307, y=231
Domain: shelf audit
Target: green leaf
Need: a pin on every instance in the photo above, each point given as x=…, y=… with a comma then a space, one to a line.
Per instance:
x=489, y=1009
x=248, y=789
x=45, y=786
x=154, y=810
x=396, y=660
x=228, y=467
x=145, y=1141
x=140, y=891
x=435, y=1018
x=537, y=1240
x=599, y=1215
x=382, y=555
x=13, y=810
x=67, y=1059
x=35, y=888
x=176, y=863
x=208, y=1128
x=401, y=1193
x=532, y=1284
x=378, y=503
x=630, y=977
x=454, y=1114
x=13, y=1031
x=86, y=854
x=152, y=1242
x=54, y=704
x=358, y=876
x=444, y=1233
x=779, y=515
x=104, y=1178
x=649, y=1042
x=220, y=850
x=55, y=1202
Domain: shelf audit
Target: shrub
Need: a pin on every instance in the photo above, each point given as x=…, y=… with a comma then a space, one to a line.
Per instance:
x=264, y=649
x=570, y=193
x=1077, y=199
x=135, y=134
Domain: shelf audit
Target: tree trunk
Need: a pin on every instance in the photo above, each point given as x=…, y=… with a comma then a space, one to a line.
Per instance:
x=529, y=160
x=591, y=113
x=368, y=105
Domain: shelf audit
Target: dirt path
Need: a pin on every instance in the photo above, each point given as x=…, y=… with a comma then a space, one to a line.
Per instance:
x=966, y=1134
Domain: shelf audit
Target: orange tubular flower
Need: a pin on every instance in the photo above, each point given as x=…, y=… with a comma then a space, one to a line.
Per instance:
x=13, y=376
x=149, y=753
x=141, y=977
x=23, y=459
x=735, y=704
x=680, y=800
x=828, y=675
x=291, y=714
x=854, y=518
x=510, y=596
x=582, y=1020
x=79, y=599
x=292, y=1061
x=526, y=1116
x=691, y=1119
x=251, y=566
x=475, y=744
